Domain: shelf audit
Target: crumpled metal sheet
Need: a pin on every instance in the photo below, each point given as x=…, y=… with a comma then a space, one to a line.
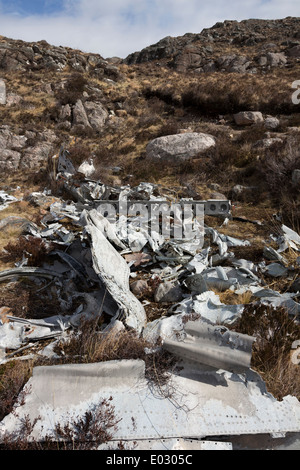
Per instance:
x=290, y=238
x=113, y=271
x=209, y=306
x=6, y=199
x=64, y=164
x=215, y=346
x=19, y=331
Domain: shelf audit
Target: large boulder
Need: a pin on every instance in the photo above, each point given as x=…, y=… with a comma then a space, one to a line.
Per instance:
x=79, y=115
x=35, y=157
x=179, y=147
x=96, y=113
x=247, y=118
x=272, y=59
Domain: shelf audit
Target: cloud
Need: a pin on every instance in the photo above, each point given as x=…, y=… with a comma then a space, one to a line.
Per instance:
x=119, y=27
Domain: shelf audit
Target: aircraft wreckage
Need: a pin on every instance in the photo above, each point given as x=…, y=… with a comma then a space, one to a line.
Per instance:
x=213, y=400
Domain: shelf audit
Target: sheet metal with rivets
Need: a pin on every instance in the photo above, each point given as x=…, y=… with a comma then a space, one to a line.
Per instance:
x=197, y=402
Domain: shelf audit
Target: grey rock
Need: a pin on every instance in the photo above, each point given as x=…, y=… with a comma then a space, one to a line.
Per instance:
x=196, y=283
x=240, y=191
x=179, y=147
x=12, y=99
x=2, y=92
x=8, y=140
x=247, y=118
x=79, y=115
x=276, y=58
x=168, y=292
x=139, y=287
x=210, y=67
x=272, y=59
x=65, y=112
x=96, y=113
x=47, y=136
x=294, y=51
x=266, y=143
x=262, y=60
x=9, y=160
x=34, y=157
x=272, y=122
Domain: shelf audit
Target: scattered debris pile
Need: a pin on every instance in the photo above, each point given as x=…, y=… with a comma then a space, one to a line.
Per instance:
x=167, y=291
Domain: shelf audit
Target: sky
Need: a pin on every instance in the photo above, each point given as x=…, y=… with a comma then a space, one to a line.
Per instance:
x=120, y=27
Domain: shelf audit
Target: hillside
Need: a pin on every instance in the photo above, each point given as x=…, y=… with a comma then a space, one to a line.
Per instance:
x=213, y=115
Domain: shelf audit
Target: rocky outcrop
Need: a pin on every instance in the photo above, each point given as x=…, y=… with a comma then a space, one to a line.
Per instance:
x=25, y=151
x=203, y=52
x=272, y=59
x=9, y=160
x=84, y=114
x=26, y=56
x=165, y=48
x=179, y=147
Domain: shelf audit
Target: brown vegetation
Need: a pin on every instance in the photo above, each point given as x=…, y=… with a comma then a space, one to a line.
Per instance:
x=92, y=345
x=275, y=332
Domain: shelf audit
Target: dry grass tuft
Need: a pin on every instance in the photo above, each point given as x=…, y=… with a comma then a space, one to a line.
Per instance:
x=33, y=248
x=13, y=376
x=92, y=345
x=275, y=332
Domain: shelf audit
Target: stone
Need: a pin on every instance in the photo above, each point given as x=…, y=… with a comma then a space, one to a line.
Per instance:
x=12, y=99
x=274, y=59
x=36, y=156
x=271, y=122
x=189, y=58
x=240, y=191
x=139, y=287
x=247, y=118
x=294, y=51
x=96, y=114
x=79, y=115
x=2, y=92
x=179, y=147
x=266, y=143
x=168, y=292
x=9, y=160
x=65, y=112
x=210, y=67
x=8, y=140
